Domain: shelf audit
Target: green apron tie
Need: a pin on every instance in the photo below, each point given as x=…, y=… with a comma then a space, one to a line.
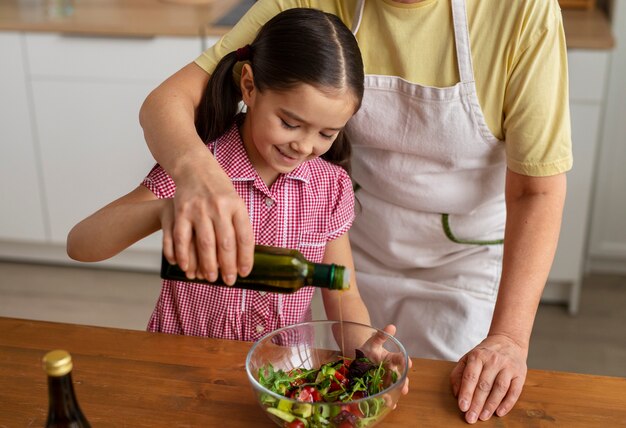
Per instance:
x=445, y=222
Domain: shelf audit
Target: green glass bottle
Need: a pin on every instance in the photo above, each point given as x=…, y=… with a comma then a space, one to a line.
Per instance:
x=277, y=270
x=63, y=408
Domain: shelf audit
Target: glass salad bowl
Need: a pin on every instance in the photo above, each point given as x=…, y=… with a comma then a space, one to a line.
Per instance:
x=327, y=374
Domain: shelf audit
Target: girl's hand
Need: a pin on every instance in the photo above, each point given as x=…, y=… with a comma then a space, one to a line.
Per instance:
x=489, y=378
x=374, y=350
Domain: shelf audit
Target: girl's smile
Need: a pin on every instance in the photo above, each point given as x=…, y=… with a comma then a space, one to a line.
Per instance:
x=284, y=128
x=290, y=159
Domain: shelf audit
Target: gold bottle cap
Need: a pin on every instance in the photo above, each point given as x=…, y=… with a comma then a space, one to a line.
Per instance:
x=57, y=363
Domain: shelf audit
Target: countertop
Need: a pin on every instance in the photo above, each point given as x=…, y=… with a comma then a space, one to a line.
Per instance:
x=117, y=18
x=141, y=379
x=586, y=29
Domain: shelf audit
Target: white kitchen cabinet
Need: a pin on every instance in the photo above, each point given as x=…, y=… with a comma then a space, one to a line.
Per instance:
x=70, y=57
x=91, y=145
x=86, y=97
x=607, y=243
x=22, y=216
x=89, y=149
x=587, y=77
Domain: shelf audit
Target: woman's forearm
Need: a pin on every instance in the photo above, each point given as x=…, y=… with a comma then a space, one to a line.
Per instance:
x=534, y=211
x=211, y=231
x=167, y=117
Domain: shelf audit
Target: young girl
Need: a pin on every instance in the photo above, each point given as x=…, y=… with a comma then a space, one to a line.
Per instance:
x=301, y=80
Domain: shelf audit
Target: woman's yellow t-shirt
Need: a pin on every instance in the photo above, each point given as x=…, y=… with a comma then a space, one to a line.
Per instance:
x=518, y=53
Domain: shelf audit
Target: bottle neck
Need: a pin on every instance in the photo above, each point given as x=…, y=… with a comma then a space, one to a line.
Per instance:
x=62, y=401
x=61, y=388
x=329, y=276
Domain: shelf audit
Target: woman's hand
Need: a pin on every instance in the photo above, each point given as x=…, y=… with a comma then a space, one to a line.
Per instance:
x=374, y=350
x=489, y=378
x=210, y=231
x=210, y=227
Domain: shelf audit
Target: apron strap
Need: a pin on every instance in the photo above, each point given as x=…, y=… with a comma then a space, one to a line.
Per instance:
x=462, y=42
x=358, y=16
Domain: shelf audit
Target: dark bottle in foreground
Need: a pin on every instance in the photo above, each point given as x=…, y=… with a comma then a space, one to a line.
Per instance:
x=278, y=270
x=63, y=409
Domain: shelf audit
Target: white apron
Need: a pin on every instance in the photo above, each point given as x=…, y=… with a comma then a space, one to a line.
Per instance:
x=427, y=237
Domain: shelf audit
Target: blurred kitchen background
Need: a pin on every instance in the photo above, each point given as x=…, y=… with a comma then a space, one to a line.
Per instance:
x=74, y=74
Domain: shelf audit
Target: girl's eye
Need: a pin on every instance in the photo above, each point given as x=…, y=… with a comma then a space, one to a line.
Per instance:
x=288, y=126
x=328, y=137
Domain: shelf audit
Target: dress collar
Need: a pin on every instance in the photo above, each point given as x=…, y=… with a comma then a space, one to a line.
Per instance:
x=231, y=154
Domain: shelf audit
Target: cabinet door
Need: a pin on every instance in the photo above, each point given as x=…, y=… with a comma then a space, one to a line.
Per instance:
x=568, y=262
x=587, y=70
x=87, y=95
x=21, y=216
x=92, y=146
x=607, y=251
x=72, y=57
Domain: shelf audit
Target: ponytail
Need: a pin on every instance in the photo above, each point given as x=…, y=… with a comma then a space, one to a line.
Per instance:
x=220, y=101
x=340, y=152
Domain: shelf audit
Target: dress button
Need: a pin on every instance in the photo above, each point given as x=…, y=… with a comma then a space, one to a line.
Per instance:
x=259, y=328
x=269, y=202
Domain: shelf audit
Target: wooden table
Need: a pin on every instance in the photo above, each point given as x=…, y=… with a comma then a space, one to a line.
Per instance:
x=127, y=378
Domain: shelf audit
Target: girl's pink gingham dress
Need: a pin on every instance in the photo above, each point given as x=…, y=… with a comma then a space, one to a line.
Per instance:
x=303, y=210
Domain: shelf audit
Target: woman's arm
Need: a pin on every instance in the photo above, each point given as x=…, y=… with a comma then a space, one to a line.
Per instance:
x=118, y=225
x=211, y=226
x=347, y=303
x=490, y=377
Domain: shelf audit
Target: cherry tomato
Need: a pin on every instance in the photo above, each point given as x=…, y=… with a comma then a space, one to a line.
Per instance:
x=343, y=370
x=354, y=409
x=340, y=382
x=334, y=386
x=340, y=377
x=308, y=394
x=296, y=423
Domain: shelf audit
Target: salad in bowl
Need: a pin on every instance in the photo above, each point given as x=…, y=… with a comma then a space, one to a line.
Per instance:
x=327, y=374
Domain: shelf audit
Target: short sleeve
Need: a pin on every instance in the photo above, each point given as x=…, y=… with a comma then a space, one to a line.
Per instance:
x=241, y=34
x=160, y=183
x=342, y=207
x=262, y=11
x=536, y=107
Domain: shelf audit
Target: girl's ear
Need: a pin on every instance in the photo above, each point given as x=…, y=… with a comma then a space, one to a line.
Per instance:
x=246, y=84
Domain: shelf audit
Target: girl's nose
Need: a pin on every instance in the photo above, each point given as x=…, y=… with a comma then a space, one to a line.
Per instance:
x=303, y=146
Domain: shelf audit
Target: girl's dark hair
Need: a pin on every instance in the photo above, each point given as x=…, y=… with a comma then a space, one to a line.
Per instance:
x=296, y=46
